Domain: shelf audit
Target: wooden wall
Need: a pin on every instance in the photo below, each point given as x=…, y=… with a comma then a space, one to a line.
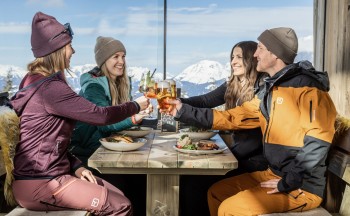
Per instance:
x=332, y=48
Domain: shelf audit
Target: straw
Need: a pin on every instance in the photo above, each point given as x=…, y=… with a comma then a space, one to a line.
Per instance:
x=153, y=72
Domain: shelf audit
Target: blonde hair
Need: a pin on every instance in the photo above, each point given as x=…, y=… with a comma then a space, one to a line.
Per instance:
x=49, y=64
x=235, y=93
x=119, y=88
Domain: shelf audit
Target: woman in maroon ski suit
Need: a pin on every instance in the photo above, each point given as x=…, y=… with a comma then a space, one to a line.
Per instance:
x=47, y=176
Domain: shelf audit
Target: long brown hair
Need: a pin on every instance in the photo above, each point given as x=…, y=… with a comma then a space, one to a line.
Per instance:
x=118, y=88
x=236, y=94
x=49, y=64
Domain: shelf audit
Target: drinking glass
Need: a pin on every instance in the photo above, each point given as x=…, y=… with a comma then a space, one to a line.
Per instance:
x=148, y=86
x=172, y=88
x=163, y=93
x=166, y=90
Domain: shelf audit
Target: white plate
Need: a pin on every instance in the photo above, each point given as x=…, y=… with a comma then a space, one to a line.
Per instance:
x=123, y=146
x=198, y=135
x=199, y=152
x=144, y=131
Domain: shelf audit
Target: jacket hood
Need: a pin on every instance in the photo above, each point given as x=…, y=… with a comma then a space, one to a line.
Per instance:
x=91, y=77
x=319, y=78
x=28, y=86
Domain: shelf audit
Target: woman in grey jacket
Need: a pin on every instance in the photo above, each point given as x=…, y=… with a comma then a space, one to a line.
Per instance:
x=48, y=109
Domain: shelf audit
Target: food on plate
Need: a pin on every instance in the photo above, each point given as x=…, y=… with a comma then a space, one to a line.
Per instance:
x=136, y=132
x=195, y=129
x=119, y=138
x=207, y=145
x=198, y=134
x=136, y=128
x=185, y=142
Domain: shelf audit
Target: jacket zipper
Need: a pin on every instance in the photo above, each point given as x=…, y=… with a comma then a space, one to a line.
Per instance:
x=271, y=120
x=311, y=111
x=246, y=119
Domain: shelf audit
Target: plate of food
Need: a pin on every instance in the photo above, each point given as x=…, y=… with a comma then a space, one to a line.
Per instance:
x=198, y=134
x=122, y=143
x=186, y=145
x=136, y=131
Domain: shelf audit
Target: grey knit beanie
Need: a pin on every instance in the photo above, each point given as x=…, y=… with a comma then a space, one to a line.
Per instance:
x=48, y=35
x=282, y=42
x=105, y=47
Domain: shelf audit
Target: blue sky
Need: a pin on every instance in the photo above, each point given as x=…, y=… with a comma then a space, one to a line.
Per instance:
x=197, y=29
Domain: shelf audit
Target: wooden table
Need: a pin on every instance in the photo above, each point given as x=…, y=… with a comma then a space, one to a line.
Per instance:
x=163, y=166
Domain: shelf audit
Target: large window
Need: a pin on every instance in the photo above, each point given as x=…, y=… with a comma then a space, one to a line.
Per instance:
x=187, y=40
x=201, y=34
x=138, y=24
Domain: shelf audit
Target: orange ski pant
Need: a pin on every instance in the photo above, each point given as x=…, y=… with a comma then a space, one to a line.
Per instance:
x=242, y=195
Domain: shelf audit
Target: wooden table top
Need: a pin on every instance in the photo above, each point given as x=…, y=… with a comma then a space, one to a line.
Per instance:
x=158, y=156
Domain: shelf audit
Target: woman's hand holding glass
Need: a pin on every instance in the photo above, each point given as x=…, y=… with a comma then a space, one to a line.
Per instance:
x=144, y=113
x=143, y=102
x=148, y=86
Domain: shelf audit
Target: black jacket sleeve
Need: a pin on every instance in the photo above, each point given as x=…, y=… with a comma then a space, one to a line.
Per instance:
x=199, y=117
x=210, y=100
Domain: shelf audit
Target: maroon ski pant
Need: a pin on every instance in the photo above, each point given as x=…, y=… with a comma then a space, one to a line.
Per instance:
x=68, y=192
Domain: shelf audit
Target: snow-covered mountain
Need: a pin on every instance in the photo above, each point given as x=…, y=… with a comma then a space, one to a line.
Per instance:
x=196, y=79
x=74, y=77
x=203, y=72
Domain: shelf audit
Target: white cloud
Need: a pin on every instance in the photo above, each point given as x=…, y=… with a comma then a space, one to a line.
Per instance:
x=306, y=43
x=47, y=3
x=208, y=9
x=135, y=25
x=15, y=28
x=239, y=21
x=135, y=8
x=7, y=48
x=84, y=31
x=211, y=21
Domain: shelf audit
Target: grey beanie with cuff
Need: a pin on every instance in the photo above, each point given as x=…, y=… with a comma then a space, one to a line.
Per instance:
x=105, y=47
x=282, y=41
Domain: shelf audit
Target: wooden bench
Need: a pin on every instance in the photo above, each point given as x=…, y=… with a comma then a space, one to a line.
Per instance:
x=22, y=211
x=314, y=212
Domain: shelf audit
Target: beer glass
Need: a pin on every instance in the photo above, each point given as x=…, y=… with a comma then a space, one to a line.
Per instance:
x=172, y=88
x=166, y=90
x=163, y=93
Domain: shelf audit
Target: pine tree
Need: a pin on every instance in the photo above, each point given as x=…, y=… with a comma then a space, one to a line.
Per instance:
x=9, y=84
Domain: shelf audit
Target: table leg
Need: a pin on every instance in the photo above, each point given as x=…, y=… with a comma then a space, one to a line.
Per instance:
x=162, y=195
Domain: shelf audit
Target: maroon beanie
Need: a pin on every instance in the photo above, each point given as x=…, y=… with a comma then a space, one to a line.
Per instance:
x=48, y=35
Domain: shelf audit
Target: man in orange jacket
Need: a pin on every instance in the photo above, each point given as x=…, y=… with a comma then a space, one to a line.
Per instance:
x=296, y=116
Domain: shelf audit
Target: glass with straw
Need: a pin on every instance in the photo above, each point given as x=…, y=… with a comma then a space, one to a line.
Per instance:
x=148, y=86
